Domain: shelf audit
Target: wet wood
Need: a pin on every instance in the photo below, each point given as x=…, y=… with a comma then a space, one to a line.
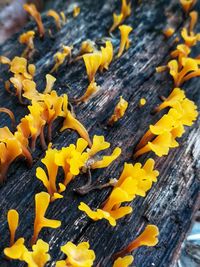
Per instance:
x=172, y=201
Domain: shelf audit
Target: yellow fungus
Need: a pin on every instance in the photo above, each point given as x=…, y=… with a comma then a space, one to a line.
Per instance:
x=176, y=96
x=92, y=64
x=52, y=13
x=77, y=256
x=118, y=19
x=125, y=42
x=142, y=102
x=63, y=17
x=134, y=180
x=4, y=60
x=182, y=51
x=39, y=256
x=17, y=250
x=125, y=261
x=33, y=12
x=191, y=38
x=169, y=32
x=149, y=237
x=119, y=111
x=187, y=5
x=11, y=147
x=41, y=204
x=60, y=57
x=27, y=39
x=107, y=55
x=76, y=11
x=13, y=221
x=91, y=90
x=189, y=70
x=193, y=20
x=10, y=114
x=49, y=179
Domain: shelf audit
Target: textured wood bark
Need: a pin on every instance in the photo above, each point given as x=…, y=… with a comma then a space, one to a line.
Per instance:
x=172, y=201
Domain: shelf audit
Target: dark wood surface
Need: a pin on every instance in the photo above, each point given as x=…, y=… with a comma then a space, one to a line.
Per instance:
x=172, y=201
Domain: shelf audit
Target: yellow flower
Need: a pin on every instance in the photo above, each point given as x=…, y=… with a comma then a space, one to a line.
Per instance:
x=39, y=256
x=187, y=5
x=125, y=261
x=52, y=13
x=60, y=57
x=107, y=55
x=147, y=238
x=27, y=39
x=92, y=64
x=119, y=111
x=91, y=90
x=33, y=12
x=49, y=179
x=125, y=42
x=13, y=221
x=125, y=12
x=76, y=11
x=77, y=256
x=42, y=201
x=169, y=32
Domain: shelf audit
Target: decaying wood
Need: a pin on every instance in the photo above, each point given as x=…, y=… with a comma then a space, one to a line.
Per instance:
x=171, y=202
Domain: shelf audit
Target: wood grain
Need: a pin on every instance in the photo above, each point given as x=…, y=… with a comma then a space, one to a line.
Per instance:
x=172, y=201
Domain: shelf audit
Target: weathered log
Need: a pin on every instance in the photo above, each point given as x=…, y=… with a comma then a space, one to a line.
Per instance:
x=172, y=201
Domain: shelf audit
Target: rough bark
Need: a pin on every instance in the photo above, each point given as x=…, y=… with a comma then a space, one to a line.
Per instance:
x=172, y=201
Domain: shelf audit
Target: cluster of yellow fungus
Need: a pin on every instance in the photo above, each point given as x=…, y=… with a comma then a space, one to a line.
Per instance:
x=34, y=13
x=162, y=135
x=77, y=256
x=97, y=60
x=74, y=159
x=183, y=67
x=119, y=19
x=27, y=39
x=60, y=57
x=149, y=237
x=44, y=109
x=17, y=250
x=119, y=111
x=134, y=180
